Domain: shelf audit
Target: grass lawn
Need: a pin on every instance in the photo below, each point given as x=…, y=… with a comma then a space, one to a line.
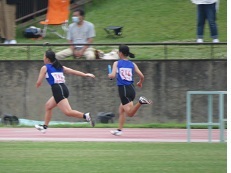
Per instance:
x=97, y=157
x=142, y=21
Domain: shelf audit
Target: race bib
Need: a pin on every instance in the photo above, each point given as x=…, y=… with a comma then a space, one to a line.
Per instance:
x=58, y=77
x=126, y=74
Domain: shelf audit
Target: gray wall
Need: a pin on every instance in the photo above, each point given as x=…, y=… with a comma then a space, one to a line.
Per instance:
x=166, y=83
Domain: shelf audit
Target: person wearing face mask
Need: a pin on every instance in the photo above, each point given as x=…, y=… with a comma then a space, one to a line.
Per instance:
x=79, y=32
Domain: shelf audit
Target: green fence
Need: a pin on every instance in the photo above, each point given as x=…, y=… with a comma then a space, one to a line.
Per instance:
x=210, y=123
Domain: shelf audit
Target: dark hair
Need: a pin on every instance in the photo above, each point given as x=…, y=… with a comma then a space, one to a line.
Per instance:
x=81, y=11
x=124, y=49
x=51, y=56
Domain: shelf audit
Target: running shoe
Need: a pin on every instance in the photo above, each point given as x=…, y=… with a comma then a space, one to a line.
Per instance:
x=40, y=128
x=116, y=132
x=143, y=100
x=89, y=119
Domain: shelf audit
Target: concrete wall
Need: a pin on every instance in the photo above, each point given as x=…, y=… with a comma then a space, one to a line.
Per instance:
x=166, y=83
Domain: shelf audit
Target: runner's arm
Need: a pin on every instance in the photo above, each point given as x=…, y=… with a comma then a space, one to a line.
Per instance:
x=113, y=73
x=77, y=73
x=41, y=76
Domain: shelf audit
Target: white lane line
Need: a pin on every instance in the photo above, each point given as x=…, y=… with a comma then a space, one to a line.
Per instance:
x=101, y=140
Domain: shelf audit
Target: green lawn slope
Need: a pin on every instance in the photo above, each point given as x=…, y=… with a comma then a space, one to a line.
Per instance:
x=152, y=20
x=142, y=21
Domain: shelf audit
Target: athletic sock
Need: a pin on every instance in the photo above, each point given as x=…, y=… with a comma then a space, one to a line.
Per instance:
x=84, y=116
x=45, y=126
x=119, y=130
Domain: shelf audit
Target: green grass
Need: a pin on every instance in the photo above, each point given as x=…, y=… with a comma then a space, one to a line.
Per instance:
x=152, y=20
x=97, y=157
x=143, y=21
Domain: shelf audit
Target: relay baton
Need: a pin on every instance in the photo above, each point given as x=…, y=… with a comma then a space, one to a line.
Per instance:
x=109, y=69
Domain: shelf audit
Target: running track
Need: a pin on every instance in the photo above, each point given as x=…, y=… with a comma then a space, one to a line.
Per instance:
x=103, y=135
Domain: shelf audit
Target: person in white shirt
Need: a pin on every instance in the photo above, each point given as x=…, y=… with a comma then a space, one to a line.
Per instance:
x=206, y=9
x=79, y=32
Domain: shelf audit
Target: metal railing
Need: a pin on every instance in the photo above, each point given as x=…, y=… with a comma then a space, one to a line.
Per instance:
x=27, y=9
x=166, y=50
x=209, y=123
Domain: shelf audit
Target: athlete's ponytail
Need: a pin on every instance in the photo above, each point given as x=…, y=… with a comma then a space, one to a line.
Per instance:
x=124, y=49
x=51, y=56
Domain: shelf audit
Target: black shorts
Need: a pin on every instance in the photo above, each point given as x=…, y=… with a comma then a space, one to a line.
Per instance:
x=60, y=92
x=127, y=93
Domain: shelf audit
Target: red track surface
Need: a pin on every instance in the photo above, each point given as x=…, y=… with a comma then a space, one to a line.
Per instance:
x=103, y=135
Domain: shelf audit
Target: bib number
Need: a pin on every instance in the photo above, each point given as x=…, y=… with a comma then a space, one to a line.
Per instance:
x=126, y=74
x=58, y=77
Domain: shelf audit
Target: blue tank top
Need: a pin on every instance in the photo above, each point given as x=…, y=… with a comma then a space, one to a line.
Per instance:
x=125, y=71
x=53, y=75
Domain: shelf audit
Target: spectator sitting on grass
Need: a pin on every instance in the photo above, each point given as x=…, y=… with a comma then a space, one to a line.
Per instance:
x=79, y=32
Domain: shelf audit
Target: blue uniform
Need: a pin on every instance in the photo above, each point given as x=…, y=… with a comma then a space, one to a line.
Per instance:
x=126, y=89
x=125, y=71
x=53, y=75
x=56, y=79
